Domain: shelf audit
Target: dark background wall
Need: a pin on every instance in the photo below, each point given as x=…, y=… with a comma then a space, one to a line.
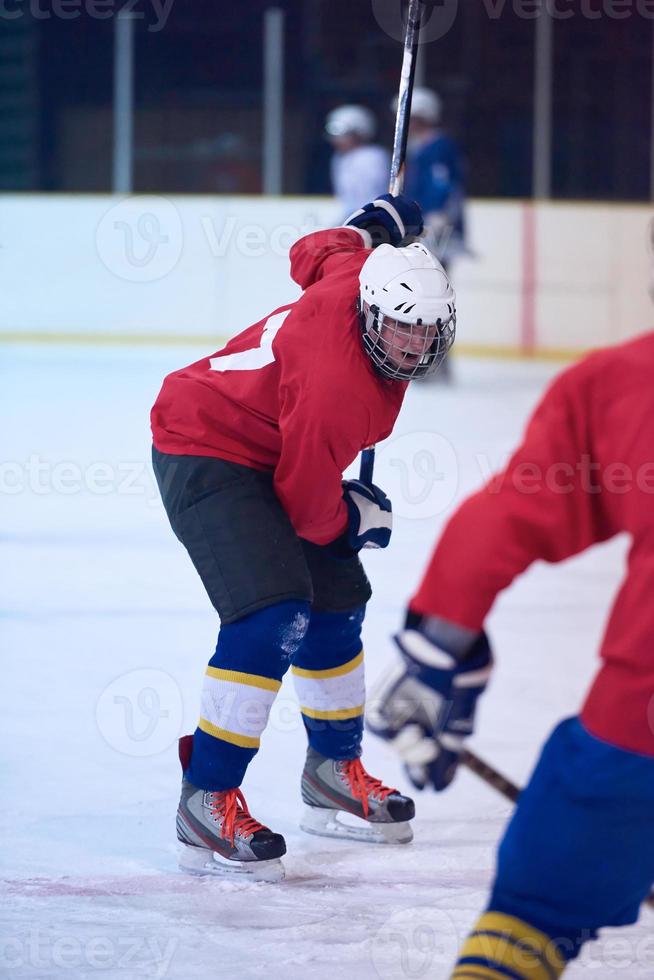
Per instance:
x=198, y=94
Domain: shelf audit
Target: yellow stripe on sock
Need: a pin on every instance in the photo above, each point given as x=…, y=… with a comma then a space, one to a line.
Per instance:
x=330, y=671
x=338, y=714
x=243, y=741
x=512, y=944
x=476, y=973
x=237, y=677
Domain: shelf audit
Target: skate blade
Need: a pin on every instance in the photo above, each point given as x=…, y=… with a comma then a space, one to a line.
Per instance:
x=330, y=823
x=202, y=861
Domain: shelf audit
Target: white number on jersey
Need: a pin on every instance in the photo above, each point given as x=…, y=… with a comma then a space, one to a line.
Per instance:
x=257, y=357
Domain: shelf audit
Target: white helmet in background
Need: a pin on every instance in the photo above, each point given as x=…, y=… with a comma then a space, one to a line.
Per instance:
x=349, y=120
x=427, y=105
x=407, y=311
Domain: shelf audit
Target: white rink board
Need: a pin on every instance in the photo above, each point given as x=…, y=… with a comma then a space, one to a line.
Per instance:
x=209, y=266
x=489, y=281
x=593, y=270
x=186, y=266
x=105, y=632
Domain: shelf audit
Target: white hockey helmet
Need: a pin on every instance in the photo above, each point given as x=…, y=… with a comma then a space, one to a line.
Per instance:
x=426, y=104
x=350, y=119
x=407, y=311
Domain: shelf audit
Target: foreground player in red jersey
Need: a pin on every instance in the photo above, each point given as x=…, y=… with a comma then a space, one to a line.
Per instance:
x=250, y=446
x=578, y=854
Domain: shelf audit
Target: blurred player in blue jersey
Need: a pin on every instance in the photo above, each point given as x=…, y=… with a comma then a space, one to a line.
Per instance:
x=434, y=177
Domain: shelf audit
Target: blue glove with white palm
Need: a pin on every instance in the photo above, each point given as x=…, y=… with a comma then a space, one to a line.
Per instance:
x=426, y=707
x=393, y=220
x=370, y=515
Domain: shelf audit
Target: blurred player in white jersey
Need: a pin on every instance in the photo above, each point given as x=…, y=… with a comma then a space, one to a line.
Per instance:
x=359, y=167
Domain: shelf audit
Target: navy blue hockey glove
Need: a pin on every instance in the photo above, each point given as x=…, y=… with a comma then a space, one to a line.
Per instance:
x=388, y=220
x=370, y=514
x=426, y=706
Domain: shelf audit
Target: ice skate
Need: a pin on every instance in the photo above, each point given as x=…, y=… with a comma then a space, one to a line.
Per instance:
x=219, y=836
x=342, y=800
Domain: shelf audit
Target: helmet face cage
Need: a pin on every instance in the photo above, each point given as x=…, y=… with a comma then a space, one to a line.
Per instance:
x=403, y=351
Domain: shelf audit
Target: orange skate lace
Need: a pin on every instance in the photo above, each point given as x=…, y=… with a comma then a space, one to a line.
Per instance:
x=231, y=806
x=363, y=784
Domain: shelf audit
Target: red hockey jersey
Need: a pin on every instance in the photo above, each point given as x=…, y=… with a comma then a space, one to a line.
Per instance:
x=584, y=473
x=294, y=394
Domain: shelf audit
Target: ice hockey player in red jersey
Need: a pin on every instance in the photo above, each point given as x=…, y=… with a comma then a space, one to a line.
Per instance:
x=578, y=853
x=250, y=445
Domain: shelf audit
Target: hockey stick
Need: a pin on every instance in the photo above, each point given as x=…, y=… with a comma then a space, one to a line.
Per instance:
x=504, y=786
x=490, y=776
x=396, y=180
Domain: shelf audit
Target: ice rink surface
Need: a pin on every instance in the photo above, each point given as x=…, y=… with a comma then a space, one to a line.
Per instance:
x=105, y=636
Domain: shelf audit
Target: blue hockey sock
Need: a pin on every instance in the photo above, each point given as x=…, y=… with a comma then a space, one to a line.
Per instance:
x=329, y=679
x=240, y=685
